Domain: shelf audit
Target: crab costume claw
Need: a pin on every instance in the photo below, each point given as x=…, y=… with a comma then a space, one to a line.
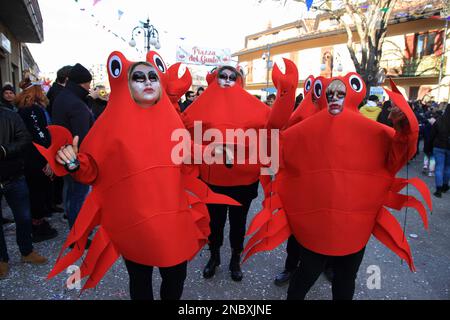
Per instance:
x=269, y=227
x=286, y=85
x=399, y=101
x=60, y=137
x=176, y=86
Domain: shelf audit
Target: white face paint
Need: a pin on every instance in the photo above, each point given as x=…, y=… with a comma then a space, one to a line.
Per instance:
x=335, y=96
x=144, y=85
x=227, y=78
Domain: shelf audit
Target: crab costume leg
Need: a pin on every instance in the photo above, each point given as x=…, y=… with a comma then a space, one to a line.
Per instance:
x=269, y=227
x=387, y=229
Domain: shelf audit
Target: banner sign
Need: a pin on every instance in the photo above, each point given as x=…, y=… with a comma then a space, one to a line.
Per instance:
x=203, y=56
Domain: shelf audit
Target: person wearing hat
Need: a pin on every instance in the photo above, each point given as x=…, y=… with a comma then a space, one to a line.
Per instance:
x=71, y=111
x=8, y=94
x=371, y=109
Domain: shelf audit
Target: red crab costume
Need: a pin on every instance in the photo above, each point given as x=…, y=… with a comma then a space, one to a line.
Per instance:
x=337, y=177
x=146, y=208
x=234, y=108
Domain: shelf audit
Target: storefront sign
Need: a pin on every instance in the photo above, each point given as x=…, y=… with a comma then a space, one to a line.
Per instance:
x=203, y=56
x=5, y=43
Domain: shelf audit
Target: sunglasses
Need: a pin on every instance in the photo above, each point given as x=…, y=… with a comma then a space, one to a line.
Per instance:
x=139, y=76
x=224, y=76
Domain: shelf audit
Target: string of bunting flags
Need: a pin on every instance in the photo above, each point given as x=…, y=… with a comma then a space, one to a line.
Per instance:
x=106, y=28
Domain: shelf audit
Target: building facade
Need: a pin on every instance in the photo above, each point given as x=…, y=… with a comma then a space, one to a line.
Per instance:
x=414, y=50
x=20, y=22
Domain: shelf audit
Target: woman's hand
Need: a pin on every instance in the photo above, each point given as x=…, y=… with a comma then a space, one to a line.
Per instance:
x=68, y=154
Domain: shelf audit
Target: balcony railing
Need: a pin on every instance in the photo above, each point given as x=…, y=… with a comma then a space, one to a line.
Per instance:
x=414, y=67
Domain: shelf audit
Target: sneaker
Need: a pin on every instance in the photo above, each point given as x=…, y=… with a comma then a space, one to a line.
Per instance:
x=34, y=258
x=431, y=174
x=4, y=269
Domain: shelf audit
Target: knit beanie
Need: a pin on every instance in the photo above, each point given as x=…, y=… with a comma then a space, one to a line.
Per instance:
x=79, y=74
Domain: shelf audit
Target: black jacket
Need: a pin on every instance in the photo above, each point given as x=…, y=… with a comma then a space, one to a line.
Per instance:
x=36, y=124
x=440, y=132
x=14, y=139
x=71, y=111
x=97, y=106
x=54, y=91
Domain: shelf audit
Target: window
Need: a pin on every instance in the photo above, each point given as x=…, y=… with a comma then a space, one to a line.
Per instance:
x=425, y=44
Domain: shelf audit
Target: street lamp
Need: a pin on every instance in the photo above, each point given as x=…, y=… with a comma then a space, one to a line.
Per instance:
x=151, y=35
x=266, y=57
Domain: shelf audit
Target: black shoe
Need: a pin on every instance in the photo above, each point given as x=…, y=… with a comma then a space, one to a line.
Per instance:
x=438, y=192
x=445, y=188
x=43, y=232
x=210, y=268
x=283, y=278
x=235, y=266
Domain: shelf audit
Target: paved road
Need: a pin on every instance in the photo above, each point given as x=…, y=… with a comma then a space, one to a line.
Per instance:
x=431, y=251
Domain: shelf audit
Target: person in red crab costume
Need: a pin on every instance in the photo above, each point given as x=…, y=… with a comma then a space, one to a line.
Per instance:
x=337, y=176
x=147, y=208
x=226, y=105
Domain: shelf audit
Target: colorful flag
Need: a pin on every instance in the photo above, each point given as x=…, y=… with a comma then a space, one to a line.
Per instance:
x=309, y=4
x=120, y=13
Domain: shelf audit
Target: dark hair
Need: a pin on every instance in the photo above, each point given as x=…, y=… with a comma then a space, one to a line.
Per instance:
x=271, y=96
x=189, y=93
x=298, y=100
x=200, y=89
x=233, y=69
x=63, y=74
x=373, y=98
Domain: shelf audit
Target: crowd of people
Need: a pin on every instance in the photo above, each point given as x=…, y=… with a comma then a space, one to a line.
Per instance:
x=34, y=192
x=434, y=130
x=28, y=184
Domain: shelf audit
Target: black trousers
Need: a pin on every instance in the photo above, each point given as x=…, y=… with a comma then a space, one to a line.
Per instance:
x=311, y=266
x=40, y=189
x=293, y=254
x=141, y=287
x=237, y=215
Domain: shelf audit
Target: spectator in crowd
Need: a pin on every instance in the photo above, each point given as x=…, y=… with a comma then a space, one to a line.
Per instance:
x=97, y=100
x=200, y=90
x=14, y=139
x=71, y=111
x=270, y=99
x=7, y=97
x=440, y=140
x=31, y=103
x=62, y=76
x=383, y=117
x=190, y=97
x=371, y=109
